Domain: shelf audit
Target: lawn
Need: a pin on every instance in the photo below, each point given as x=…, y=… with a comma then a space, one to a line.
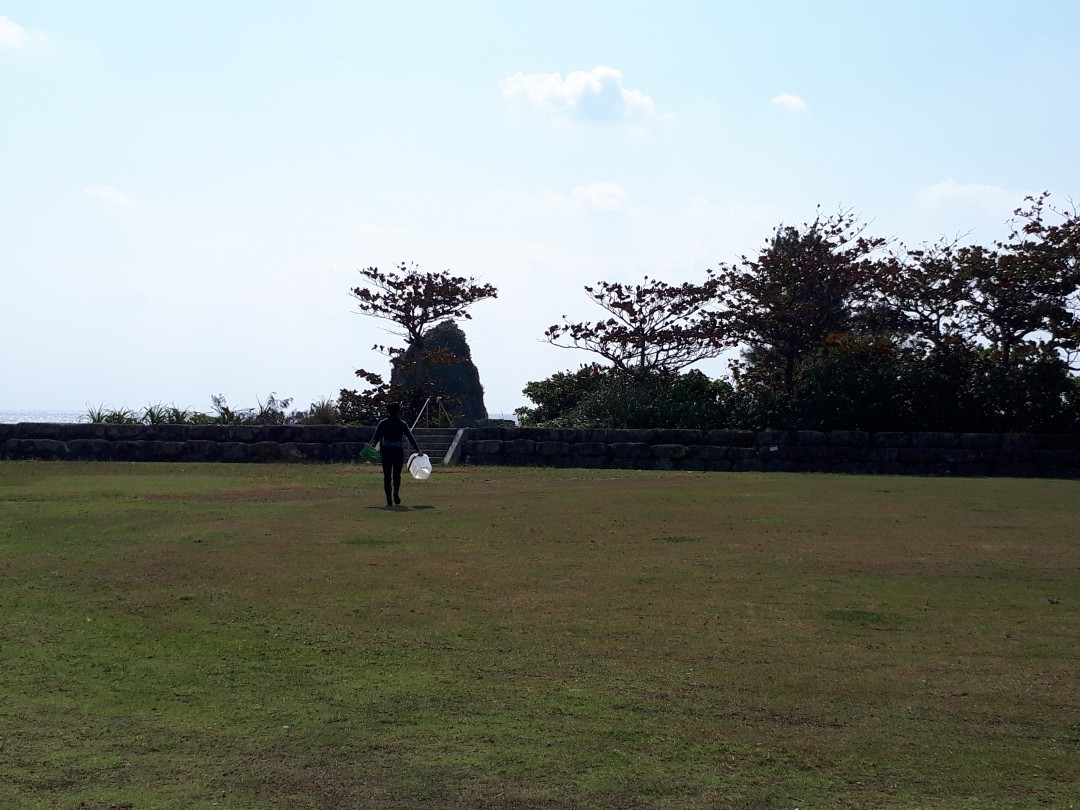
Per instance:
x=250, y=636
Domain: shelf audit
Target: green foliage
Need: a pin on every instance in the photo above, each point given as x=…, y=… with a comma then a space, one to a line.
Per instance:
x=837, y=334
x=806, y=286
x=362, y=407
x=877, y=385
x=273, y=411
x=595, y=397
x=322, y=412
x=111, y=416
x=557, y=397
x=448, y=337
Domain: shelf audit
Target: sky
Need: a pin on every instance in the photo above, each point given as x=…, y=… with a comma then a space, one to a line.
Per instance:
x=188, y=190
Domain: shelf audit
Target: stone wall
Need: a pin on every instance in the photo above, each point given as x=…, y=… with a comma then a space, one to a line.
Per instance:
x=958, y=454
x=240, y=443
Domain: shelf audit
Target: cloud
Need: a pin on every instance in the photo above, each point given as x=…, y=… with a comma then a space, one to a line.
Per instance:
x=14, y=36
x=789, y=101
x=591, y=95
x=110, y=196
x=950, y=194
x=602, y=197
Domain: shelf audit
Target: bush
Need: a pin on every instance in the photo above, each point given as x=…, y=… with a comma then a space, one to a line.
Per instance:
x=595, y=397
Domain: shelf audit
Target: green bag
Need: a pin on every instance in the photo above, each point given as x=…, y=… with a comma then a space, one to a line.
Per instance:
x=369, y=453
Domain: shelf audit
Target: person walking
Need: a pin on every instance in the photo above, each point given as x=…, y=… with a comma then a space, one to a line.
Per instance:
x=390, y=435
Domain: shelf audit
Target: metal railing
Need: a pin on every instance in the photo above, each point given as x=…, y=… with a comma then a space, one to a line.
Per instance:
x=442, y=418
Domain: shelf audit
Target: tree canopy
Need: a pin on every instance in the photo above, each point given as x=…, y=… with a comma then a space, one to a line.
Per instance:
x=806, y=284
x=842, y=330
x=413, y=300
x=654, y=326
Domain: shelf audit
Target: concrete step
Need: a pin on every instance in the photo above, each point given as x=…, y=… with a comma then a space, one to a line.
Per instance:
x=436, y=442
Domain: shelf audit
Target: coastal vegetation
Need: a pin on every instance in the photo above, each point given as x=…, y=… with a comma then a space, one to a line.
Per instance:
x=829, y=328
x=272, y=411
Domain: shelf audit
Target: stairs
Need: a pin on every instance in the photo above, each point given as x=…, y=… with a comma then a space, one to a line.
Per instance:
x=441, y=444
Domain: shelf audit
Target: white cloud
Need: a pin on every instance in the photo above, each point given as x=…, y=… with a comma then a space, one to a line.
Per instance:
x=601, y=197
x=13, y=35
x=789, y=101
x=596, y=95
x=109, y=195
x=950, y=194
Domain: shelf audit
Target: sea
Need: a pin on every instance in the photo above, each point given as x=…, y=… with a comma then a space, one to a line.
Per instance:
x=14, y=417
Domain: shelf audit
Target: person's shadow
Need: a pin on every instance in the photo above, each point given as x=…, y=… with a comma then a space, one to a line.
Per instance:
x=401, y=508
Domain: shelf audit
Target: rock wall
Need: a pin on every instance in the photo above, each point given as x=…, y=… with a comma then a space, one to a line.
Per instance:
x=957, y=454
x=239, y=443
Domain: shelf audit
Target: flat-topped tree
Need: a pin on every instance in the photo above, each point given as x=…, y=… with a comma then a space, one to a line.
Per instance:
x=414, y=300
x=653, y=327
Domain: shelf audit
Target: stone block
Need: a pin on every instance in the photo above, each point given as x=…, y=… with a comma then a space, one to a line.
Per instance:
x=980, y=441
x=42, y=449
x=89, y=449
x=518, y=447
x=849, y=438
x=706, y=451
x=732, y=438
x=630, y=450
x=890, y=439
x=198, y=450
x=937, y=440
x=553, y=448
x=670, y=451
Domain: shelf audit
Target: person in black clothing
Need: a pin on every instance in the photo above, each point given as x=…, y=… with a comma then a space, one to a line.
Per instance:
x=392, y=432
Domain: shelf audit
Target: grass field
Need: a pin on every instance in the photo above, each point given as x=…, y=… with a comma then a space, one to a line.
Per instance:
x=189, y=636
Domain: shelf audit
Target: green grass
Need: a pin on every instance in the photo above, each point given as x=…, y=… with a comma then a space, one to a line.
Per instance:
x=264, y=636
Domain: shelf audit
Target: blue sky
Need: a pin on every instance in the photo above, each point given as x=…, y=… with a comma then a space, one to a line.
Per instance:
x=188, y=189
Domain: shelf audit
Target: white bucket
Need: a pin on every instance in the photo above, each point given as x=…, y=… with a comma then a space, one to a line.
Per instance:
x=419, y=466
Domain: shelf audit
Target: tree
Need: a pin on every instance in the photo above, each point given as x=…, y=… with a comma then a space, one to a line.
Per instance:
x=413, y=301
x=1022, y=294
x=923, y=296
x=654, y=326
x=805, y=285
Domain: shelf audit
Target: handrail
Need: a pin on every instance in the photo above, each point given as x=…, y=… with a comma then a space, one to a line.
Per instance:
x=416, y=421
x=423, y=410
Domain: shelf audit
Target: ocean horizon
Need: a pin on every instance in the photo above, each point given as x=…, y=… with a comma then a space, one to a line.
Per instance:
x=14, y=417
